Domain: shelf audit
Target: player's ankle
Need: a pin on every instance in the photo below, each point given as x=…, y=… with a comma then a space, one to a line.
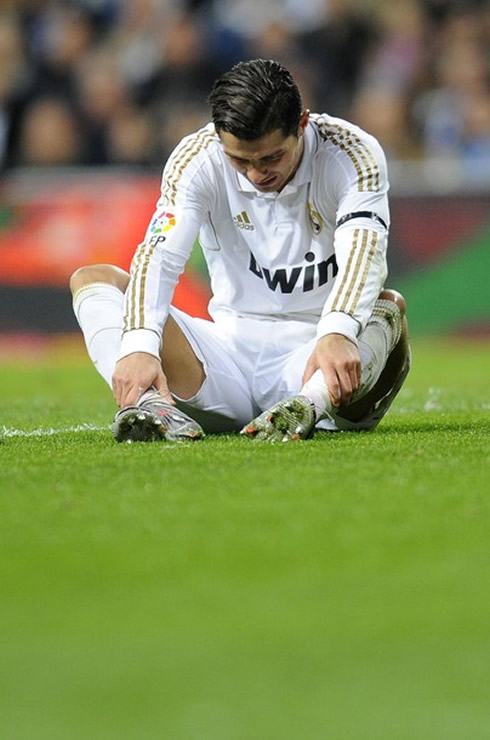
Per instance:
x=315, y=389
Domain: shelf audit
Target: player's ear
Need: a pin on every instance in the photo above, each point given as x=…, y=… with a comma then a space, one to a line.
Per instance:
x=303, y=121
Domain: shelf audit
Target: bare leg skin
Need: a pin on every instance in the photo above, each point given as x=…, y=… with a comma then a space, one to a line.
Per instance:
x=184, y=372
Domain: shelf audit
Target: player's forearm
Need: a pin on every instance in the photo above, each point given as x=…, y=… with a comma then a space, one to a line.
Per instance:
x=360, y=252
x=155, y=269
x=147, y=303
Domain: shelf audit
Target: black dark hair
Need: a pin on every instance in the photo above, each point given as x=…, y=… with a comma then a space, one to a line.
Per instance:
x=255, y=98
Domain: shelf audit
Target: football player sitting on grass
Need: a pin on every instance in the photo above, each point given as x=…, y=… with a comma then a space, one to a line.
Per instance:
x=291, y=211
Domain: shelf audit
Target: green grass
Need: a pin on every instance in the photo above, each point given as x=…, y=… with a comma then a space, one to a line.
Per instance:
x=225, y=590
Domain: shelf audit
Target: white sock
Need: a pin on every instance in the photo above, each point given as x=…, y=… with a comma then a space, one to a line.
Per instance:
x=373, y=351
x=316, y=390
x=377, y=341
x=375, y=344
x=99, y=311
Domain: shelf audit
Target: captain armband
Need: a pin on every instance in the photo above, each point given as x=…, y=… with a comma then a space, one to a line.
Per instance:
x=361, y=214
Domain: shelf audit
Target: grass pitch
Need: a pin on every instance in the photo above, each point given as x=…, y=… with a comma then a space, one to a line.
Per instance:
x=225, y=590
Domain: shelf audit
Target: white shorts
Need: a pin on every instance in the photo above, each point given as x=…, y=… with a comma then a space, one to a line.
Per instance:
x=250, y=364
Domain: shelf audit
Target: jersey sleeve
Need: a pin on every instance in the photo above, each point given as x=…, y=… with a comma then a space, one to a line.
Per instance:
x=359, y=183
x=162, y=255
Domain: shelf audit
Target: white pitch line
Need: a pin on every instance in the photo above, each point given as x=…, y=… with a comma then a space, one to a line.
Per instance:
x=6, y=432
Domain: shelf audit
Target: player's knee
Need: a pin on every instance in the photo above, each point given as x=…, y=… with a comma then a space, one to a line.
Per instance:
x=388, y=294
x=99, y=274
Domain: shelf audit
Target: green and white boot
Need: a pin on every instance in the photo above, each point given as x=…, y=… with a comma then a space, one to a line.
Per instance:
x=287, y=421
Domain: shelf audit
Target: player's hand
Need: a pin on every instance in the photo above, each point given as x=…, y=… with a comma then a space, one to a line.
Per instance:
x=340, y=362
x=135, y=374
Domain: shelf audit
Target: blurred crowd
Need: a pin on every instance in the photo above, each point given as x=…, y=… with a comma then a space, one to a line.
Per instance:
x=119, y=82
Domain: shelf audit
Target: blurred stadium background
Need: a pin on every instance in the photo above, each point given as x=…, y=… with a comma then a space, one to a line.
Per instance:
x=94, y=94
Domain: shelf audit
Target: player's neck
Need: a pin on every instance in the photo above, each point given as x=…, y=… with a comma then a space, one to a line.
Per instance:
x=301, y=149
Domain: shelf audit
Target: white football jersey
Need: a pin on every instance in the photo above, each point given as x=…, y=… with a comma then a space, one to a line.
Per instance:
x=314, y=252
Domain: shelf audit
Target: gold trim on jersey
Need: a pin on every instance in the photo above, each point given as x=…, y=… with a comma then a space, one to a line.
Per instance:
x=134, y=317
x=134, y=311
x=367, y=265
x=361, y=156
x=180, y=159
x=362, y=251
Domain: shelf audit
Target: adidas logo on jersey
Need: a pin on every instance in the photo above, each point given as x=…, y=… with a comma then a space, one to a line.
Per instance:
x=243, y=222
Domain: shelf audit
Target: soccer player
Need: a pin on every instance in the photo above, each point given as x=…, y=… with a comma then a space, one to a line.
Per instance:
x=291, y=211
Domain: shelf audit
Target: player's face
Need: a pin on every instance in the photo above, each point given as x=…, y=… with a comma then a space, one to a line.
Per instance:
x=269, y=162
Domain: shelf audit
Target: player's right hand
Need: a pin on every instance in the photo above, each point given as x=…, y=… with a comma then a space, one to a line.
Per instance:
x=340, y=362
x=135, y=374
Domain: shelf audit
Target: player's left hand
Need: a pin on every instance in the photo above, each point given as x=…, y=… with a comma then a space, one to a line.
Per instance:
x=340, y=362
